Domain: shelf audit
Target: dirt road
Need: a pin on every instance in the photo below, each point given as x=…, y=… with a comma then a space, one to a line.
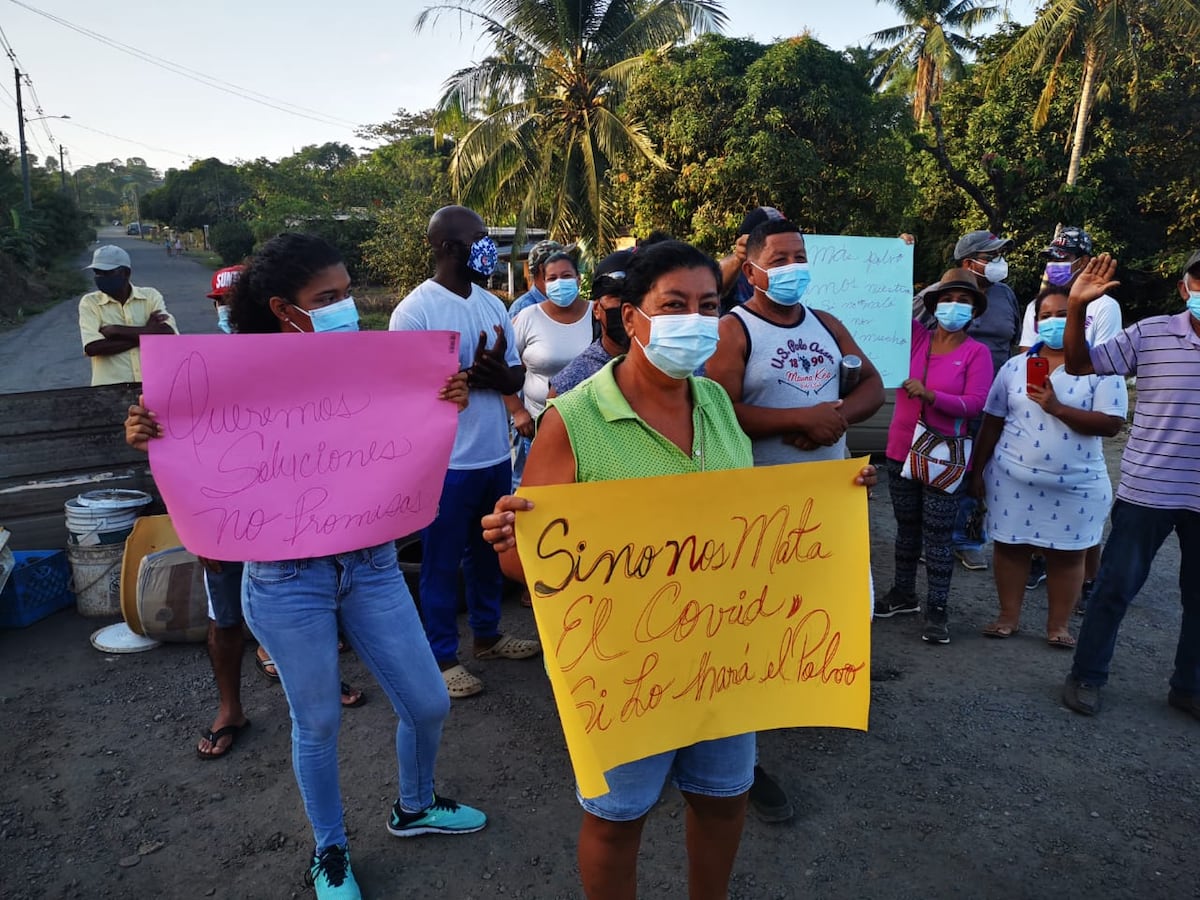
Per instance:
x=972, y=781
x=46, y=353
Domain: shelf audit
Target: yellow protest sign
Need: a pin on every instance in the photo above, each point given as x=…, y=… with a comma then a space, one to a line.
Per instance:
x=691, y=607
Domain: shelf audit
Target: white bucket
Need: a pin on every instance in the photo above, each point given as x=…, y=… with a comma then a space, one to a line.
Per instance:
x=103, y=517
x=96, y=578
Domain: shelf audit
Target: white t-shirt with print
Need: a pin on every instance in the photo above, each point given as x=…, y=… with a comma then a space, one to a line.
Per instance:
x=545, y=347
x=482, y=438
x=1103, y=321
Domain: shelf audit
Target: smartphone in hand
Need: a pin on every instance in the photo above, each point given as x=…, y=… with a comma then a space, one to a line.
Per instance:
x=1037, y=370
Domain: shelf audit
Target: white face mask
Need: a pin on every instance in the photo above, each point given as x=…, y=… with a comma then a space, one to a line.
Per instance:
x=996, y=269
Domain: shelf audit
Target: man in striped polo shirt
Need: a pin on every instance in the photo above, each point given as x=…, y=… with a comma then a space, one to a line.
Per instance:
x=1159, y=491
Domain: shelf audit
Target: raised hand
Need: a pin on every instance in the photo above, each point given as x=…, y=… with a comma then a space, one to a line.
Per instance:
x=1095, y=280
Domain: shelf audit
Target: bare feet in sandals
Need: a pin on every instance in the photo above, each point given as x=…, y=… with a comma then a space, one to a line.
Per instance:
x=218, y=740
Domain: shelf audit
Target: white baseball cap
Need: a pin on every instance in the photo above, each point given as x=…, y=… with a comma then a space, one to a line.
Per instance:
x=109, y=257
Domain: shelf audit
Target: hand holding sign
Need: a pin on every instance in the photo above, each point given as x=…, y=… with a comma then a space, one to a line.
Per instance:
x=688, y=622
x=332, y=458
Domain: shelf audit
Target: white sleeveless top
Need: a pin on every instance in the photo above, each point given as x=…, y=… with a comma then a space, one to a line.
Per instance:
x=789, y=367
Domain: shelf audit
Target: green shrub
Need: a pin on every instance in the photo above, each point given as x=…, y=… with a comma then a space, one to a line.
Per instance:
x=234, y=241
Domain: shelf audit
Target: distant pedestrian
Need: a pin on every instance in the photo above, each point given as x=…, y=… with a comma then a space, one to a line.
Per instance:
x=113, y=318
x=178, y=247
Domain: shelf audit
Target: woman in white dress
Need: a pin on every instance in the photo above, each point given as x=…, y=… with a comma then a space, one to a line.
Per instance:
x=1039, y=465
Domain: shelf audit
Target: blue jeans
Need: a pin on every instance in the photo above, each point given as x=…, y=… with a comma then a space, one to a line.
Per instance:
x=454, y=537
x=719, y=768
x=521, y=447
x=966, y=506
x=295, y=608
x=1137, y=534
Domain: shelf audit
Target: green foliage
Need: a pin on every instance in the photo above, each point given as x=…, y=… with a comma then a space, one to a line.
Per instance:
x=794, y=125
x=550, y=102
x=106, y=191
x=208, y=192
x=234, y=241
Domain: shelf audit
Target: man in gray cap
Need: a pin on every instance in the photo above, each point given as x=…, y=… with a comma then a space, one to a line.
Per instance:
x=538, y=254
x=982, y=254
x=113, y=318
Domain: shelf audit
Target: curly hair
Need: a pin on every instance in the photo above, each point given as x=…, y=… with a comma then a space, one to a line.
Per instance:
x=282, y=268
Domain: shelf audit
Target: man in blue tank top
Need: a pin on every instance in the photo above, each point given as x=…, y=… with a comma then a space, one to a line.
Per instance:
x=780, y=361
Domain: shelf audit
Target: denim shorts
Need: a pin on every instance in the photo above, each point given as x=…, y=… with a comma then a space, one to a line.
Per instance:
x=224, y=591
x=720, y=768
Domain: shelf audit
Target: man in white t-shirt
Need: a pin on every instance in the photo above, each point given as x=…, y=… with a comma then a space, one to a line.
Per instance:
x=1066, y=256
x=480, y=465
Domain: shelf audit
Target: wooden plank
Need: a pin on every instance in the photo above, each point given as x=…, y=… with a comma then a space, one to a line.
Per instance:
x=33, y=412
x=30, y=456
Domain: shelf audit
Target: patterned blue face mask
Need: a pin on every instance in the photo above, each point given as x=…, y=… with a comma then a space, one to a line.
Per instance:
x=340, y=316
x=223, y=319
x=1051, y=331
x=483, y=256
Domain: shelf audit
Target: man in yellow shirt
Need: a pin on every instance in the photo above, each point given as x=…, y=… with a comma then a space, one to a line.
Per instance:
x=113, y=318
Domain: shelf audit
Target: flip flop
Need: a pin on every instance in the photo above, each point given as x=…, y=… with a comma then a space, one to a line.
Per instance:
x=1062, y=642
x=262, y=667
x=348, y=691
x=996, y=630
x=231, y=731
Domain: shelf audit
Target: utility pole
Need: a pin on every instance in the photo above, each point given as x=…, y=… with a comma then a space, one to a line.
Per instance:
x=24, y=148
x=62, y=168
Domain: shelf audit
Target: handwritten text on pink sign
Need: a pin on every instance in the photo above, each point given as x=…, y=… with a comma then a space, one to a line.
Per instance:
x=288, y=446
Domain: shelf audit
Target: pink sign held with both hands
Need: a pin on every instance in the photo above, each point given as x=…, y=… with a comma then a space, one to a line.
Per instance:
x=281, y=446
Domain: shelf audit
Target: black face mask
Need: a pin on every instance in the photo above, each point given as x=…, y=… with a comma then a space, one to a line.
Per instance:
x=614, y=327
x=113, y=285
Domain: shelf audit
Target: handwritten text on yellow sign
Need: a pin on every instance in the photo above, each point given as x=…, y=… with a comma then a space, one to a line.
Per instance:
x=687, y=608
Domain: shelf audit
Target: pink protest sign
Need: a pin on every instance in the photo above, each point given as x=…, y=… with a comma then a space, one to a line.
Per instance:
x=282, y=446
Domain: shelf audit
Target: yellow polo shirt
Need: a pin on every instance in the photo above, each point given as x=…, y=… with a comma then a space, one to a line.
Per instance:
x=97, y=309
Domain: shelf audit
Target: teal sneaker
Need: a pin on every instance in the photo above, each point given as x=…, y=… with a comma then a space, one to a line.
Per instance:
x=330, y=875
x=443, y=816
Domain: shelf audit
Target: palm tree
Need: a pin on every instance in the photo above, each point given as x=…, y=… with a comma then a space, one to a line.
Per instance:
x=1104, y=34
x=928, y=46
x=549, y=101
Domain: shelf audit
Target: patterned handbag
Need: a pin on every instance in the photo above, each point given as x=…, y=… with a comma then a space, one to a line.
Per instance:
x=935, y=459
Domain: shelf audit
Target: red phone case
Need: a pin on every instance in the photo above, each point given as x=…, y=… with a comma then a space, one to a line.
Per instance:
x=1037, y=370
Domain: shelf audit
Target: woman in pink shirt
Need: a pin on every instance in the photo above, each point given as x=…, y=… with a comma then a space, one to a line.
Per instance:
x=949, y=378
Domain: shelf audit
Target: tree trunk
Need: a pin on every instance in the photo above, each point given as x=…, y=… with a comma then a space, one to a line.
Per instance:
x=1087, y=96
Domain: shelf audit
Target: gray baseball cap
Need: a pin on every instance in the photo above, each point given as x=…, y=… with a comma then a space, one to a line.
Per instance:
x=979, y=242
x=1192, y=266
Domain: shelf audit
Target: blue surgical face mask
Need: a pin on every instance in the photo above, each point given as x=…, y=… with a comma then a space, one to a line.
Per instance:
x=954, y=316
x=1193, y=304
x=1059, y=273
x=786, y=284
x=223, y=319
x=483, y=256
x=1051, y=331
x=340, y=316
x=562, y=291
x=680, y=344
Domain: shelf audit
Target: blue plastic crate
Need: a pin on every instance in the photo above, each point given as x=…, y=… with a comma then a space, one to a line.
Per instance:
x=39, y=585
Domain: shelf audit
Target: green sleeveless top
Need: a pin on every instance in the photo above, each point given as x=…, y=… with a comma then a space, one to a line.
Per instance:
x=611, y=442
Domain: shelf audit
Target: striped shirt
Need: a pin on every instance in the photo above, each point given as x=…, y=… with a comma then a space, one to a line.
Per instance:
x=1161, y=464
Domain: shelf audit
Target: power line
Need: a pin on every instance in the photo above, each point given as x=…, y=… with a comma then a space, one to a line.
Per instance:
x=77, y=124
x=227, y=87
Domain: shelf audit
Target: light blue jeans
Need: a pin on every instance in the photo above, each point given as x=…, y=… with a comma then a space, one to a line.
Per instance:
x=295, y=607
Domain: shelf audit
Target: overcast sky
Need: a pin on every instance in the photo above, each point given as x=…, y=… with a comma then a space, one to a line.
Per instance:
x=355, y=61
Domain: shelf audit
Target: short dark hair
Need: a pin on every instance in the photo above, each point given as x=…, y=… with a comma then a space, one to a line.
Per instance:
x=1049, y=290
x=559, y=256
x=652, y=262
x=282, y=268
x=758, y=237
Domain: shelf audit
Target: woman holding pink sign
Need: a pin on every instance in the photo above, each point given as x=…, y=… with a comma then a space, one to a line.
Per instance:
x=298, y=284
